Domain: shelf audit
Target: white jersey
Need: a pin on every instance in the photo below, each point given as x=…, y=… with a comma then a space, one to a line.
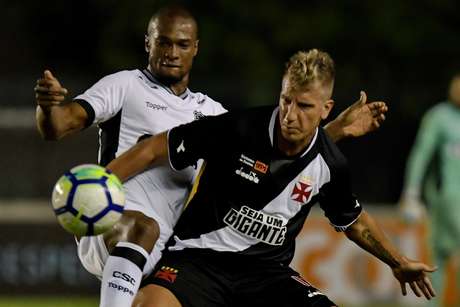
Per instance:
x=128, y=105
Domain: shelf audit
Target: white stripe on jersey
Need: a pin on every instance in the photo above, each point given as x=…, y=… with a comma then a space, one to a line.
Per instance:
x=281, y=208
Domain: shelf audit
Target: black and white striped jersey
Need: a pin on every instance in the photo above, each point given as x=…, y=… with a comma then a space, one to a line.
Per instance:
x=250, y=198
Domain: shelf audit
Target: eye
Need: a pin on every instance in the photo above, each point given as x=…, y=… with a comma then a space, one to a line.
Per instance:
x=304, y=106
x=184, y=45
x=162, y=43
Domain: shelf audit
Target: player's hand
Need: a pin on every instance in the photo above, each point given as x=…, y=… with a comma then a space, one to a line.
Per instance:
x=362, y=117
x=412, y=210
x=415, y=274
x=49, y=91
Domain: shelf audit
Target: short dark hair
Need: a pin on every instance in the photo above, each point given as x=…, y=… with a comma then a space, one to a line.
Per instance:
x=173, y=10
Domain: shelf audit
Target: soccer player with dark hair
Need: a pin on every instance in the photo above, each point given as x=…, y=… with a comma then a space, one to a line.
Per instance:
x=128, y=106
x=264, y=169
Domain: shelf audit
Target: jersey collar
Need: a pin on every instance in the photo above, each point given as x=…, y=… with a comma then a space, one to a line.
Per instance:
x=155, y=81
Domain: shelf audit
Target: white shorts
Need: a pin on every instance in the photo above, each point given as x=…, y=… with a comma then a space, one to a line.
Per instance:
x=143, y=195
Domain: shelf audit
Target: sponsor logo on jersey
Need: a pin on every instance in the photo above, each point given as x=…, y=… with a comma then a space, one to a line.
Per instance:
x=312, y=291
x=257, y=167
x=155, y=106
x=124, y=276
x=251, y=176
x=120, y=288
x=181, y=147
x=198, y=115
x=256, y=224
x=302, y=190
x=167, y=273
x=261, y=167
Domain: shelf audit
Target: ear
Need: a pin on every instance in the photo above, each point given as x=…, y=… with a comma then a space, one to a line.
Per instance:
x=327, y=107
x=196, y=47
x=146, y=43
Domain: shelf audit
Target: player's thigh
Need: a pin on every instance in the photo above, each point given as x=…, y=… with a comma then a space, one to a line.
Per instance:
x=195, y=280
x=154, y=296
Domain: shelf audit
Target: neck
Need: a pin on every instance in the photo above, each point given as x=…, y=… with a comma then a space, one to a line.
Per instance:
x=179, y=87
x=290, y=148
x=176, y=86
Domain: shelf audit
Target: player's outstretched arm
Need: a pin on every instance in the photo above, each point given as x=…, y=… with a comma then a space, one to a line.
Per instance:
x=367, y=234
x=358, y=119
x=55, y=117
x=150, y=151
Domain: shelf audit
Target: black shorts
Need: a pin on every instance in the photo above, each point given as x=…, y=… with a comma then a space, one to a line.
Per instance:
x=207, y=278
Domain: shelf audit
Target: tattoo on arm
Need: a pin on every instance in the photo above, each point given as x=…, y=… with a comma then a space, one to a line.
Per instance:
x=378, y=249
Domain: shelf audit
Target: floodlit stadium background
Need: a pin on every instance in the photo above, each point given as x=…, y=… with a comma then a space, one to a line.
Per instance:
x=402, y=52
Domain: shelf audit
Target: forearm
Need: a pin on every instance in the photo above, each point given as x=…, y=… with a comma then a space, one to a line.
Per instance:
x=335, y=130
x=140, y=157
x=47, y=125
x=56, y=121
x=367, y=234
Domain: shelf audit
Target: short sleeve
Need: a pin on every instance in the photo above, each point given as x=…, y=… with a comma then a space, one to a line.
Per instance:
x=337, y=200
x=104, y=99
x=201, y=139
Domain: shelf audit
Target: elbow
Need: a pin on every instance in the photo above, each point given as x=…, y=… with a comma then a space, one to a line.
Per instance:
x=49, y=135
x=49, y=132
x=357, y=228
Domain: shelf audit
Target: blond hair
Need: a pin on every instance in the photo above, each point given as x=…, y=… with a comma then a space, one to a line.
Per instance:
x=306, y=67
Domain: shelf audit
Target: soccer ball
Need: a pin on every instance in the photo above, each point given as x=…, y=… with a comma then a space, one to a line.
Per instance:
x=88, y=200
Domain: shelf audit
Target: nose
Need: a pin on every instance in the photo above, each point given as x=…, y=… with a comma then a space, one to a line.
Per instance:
x=172, y=52
x=290, y=112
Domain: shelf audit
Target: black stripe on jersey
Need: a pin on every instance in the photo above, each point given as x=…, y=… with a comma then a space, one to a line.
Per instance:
x=108, y=138
x=89, y=111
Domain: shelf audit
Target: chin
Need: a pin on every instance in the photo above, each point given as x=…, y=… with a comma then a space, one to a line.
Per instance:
x=169, y=78
x=291, y=138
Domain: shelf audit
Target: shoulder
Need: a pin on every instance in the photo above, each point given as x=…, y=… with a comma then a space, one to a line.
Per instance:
x=207, y=102
x=119, y=79
x=437, y=112
x=123, y=74
x=439, y=108
x=254, y=116
x=243, y=122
